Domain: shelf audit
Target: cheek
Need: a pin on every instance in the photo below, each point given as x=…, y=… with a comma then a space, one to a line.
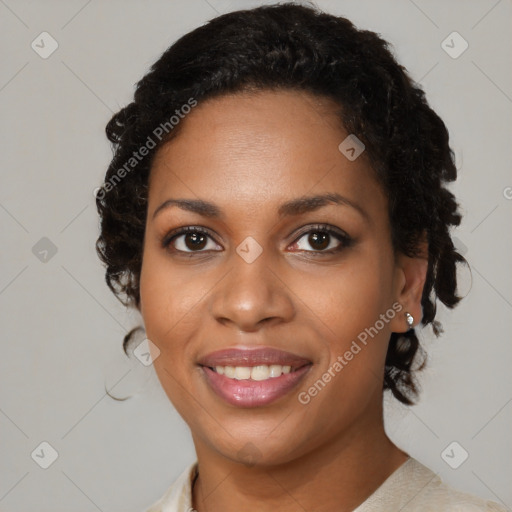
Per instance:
x=346, y=303
x=167, y=301
x=168, y=296
x=346, y=298
x=346, y=308
x=166, y=305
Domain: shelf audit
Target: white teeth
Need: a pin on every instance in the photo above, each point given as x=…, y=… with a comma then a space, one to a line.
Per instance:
x=242, y=372
x=260, y=372
x=275, y=370
x=229, y=371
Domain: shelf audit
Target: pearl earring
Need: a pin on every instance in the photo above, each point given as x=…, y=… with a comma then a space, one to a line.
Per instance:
x=410, y=320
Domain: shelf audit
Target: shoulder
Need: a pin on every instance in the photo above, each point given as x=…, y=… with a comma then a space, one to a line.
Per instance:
x=445, y=498
x=439, y=496
x=178, y=496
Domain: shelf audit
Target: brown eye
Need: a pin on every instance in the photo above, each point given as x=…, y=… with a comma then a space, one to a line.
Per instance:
x=195, y=241
x=319, y=240
x=190, y=239
x=322, y=240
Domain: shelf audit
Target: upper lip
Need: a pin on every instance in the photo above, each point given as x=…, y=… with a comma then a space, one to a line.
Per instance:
x=253, y=357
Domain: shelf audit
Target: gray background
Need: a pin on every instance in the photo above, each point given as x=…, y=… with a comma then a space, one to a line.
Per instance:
x=62, y=328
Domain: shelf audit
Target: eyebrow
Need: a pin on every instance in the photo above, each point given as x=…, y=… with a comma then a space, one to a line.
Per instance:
x=297, y=206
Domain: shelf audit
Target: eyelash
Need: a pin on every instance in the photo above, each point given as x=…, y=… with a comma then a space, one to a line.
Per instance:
x=346, y=240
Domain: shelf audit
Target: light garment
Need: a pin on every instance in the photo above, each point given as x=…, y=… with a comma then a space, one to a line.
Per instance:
x=411, y=488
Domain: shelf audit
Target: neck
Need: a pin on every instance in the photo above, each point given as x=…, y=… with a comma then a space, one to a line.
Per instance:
x=338, y=475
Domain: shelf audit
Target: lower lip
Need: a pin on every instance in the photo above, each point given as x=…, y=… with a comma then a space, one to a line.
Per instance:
x=253, y=393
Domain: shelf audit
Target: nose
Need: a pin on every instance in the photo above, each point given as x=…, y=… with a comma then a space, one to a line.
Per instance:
x=252, y=295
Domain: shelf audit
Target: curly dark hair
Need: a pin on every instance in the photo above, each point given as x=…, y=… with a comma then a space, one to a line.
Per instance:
x=295, y=47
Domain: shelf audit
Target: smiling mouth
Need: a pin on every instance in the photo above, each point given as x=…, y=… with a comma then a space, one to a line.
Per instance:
x=242, y=391
x=255, y=373
x=253, y=377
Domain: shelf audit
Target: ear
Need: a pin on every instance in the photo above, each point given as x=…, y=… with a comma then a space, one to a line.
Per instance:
x=409, y=281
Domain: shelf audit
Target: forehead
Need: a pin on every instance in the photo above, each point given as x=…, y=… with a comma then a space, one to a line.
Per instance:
x=256, y=147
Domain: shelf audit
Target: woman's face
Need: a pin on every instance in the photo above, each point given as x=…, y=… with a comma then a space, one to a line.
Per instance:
x=265, y=274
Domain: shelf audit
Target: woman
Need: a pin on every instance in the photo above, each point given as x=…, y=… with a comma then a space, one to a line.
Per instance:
x=276, y=210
